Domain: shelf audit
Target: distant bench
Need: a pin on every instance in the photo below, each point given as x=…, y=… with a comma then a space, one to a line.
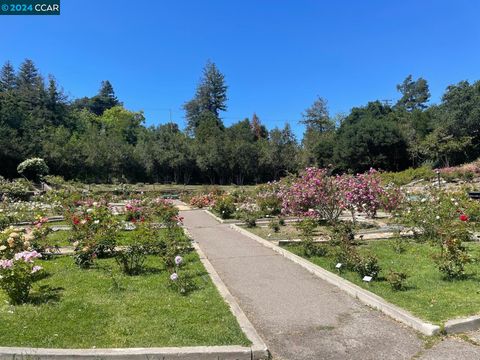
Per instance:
x=474, y=195
x=170, y=196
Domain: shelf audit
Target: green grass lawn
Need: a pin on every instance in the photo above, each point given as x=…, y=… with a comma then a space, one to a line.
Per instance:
x=93, y=308
x=428, y=296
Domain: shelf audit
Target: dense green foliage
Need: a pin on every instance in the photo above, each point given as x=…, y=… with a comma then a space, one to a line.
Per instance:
x=97, y=140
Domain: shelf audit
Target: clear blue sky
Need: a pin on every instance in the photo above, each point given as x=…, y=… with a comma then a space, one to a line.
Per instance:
x=277, y=55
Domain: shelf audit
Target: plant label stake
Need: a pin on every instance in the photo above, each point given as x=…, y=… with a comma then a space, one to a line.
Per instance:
x=367, y=278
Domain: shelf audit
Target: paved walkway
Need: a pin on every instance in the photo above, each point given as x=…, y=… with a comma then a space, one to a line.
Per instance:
x=300, y=316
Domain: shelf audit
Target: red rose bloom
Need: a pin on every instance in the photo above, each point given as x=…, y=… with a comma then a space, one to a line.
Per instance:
x=463, y=217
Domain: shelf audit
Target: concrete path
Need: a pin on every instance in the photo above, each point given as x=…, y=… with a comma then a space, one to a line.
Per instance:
x=300, y=316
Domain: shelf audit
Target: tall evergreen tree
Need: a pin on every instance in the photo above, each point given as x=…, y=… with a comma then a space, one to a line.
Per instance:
x=104, y=100
x=28, y=76
x=415, y=94
x=210, y=96
x=56, y=103
x=8, y=79
x=316, y=117
x=259, y=130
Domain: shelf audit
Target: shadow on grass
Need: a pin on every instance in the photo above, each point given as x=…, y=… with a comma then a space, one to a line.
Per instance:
x=150, y=270
x=462, y=277
x=45, y=294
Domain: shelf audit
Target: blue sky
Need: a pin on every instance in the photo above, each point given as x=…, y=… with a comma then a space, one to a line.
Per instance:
x=277, y=55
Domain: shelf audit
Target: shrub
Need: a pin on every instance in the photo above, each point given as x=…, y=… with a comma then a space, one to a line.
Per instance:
x=39, y=235
x=367, y=265
x=14, y=240
x=311, y=248
x=131, y=260
x=274, y=226
x=343, y=234
x=407, y=176
x=453, y=258
x=436, y=215
x=347, y=256
x=398, y=245
x=464, y=172
x=95, y=231
x=134, y=211
x=180, y=279
x=55, y=181
x=18, y=274
x=174, y=243
x=313, y=194
x=268, y=198
x=16, y=190
x=249, y=218
x=364, y=193
x=225, y=206
x=202, y=200
x=397, y=280
x=33, y=169
x=306, y=227
x=165, y=211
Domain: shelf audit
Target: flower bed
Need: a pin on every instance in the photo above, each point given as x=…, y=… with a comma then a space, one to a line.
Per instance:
x=427, y=294
x=140, y=288
x=101, y=307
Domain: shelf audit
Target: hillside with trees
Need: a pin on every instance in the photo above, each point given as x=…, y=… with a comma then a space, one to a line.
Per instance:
x=96, y=139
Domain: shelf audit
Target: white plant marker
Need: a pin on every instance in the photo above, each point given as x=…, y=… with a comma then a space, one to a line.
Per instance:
x=338, y=266
x=367, y=278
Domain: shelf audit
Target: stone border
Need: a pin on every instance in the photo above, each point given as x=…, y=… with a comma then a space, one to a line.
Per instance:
x=462, y=325
x=257, y=351
x=263, y=221
x=222, y=221
x=357, y=292
x=168, y=353
x=258, y=348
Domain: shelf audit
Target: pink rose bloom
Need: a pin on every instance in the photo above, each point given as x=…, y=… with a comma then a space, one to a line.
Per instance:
x=6, y=264
x=36, y=268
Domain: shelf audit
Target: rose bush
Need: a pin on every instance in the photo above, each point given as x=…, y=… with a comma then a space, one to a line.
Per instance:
x=268, y=198
x=313, y=194
x=18, y=274
x=95, y=231
x=447, y=220
x=203, y=200
x=364, y=193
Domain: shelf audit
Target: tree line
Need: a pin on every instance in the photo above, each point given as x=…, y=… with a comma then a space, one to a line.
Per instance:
x=96, y=139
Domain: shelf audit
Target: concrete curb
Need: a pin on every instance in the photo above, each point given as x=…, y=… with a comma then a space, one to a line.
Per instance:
x=258, y=348
x=462, y=325
x=182, y=353
x=357, y=292
x=263, y=221
x=222, y=221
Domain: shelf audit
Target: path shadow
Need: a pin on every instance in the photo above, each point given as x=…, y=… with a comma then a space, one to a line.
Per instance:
x=45, y=294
